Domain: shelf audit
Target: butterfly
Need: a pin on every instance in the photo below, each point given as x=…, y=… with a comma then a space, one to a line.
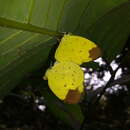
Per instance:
x=76, y=49
x=65, y=80
x=66, y=77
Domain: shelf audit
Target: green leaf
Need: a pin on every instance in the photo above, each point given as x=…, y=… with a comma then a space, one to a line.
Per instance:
x=22, y=62
x=70, y=114
x=27, y=27
x=23, y=52
x=111, y=31
x=79, y=15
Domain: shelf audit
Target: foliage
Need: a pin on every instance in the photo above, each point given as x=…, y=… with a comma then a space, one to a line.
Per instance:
x=29, y=34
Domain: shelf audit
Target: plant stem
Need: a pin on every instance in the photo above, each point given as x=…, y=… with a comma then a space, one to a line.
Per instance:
x=28, y=27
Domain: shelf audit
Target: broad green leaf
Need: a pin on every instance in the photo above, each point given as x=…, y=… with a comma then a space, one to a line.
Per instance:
x=15, y=9
x=70, y=114
x=23, y=52
x=112, y=30
x=79, y=15
x=20, y=64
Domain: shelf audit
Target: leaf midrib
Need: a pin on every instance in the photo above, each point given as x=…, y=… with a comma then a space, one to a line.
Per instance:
x=28, y=27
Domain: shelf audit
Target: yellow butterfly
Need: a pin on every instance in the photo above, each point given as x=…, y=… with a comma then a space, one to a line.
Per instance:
x=76, y=49
x=66, y=79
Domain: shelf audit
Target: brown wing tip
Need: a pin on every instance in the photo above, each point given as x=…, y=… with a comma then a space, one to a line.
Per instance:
x=95, y=53
x=73, y=97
